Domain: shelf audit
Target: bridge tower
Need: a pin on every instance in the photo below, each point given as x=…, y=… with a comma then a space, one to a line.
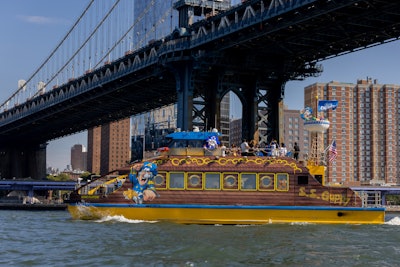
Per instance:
x=198, y=96
x=200, y=89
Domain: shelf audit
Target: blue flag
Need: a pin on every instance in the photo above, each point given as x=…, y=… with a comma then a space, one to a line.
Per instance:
x=324, y=105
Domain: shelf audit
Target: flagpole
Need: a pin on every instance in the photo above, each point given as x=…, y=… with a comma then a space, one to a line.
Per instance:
x=326, y=149
x=328, y=146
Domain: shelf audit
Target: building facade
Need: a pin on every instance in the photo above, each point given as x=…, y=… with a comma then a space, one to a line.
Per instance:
x=235, y=132
x=78, y=157
x=115, y=145
x=94, y=149
x=294, y=132
x=149, y=130
x=153, y=20
x=109, y=147
x=365, y=128
x=224, y=120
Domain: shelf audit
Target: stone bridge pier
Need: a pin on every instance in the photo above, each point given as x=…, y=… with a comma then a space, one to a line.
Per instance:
x=23, y=161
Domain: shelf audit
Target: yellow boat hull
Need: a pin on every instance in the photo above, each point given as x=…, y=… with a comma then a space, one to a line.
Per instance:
x=212, y=214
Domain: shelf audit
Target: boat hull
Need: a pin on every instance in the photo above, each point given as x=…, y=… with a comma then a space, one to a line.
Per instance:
x=229, y=214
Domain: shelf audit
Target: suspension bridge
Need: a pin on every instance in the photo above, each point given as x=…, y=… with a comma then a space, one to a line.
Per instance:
x=121, y=58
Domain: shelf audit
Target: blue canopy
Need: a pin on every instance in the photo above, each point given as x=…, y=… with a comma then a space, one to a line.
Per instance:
x=192, y=135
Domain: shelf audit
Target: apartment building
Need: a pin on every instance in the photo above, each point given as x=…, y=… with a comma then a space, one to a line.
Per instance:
x=365, y=128
x=109, y=147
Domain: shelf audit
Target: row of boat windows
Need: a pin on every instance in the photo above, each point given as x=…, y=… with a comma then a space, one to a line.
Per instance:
x=222, y=181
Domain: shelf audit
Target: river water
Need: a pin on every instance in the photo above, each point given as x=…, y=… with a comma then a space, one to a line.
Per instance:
x=52, y=238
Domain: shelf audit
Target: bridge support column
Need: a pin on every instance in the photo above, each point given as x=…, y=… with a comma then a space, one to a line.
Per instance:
x=184, y=88
x=213, y=104
x=249, y=113
x=266, y=99
x=22, y=162
x=275, y=111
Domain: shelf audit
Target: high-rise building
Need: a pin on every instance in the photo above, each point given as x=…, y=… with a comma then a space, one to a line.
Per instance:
x=153, y=20
x=293, y=132
x=94, y=149
x=224, y=120
x=235, y=132
x=149, y=129
x=78, y=157
x=115, y=145
x=156, y=19
x=365, y=128
x=109, y=146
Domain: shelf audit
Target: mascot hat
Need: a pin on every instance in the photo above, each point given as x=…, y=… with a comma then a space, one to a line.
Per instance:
x=149, y=166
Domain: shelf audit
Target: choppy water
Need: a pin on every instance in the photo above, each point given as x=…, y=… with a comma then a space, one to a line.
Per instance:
x=52, y=238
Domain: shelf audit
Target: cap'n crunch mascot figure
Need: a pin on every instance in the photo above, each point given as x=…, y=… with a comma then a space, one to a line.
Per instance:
x=143, y=184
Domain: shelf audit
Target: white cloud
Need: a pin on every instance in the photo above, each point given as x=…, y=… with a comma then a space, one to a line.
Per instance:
x=40, y=19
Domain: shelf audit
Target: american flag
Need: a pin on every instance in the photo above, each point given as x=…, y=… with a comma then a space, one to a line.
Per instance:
x=332, y=151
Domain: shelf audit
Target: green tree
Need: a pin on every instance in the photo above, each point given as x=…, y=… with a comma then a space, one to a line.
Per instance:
x=393, y=199
x=85, y=176
x=60, y=177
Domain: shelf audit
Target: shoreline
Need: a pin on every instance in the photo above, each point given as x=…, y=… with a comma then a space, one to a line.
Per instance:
x=21, y=206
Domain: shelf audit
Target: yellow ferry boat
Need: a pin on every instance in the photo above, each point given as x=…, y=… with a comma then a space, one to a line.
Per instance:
x=192, y=184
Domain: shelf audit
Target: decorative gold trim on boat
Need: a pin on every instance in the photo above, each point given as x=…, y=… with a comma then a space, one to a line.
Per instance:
x=200, y=161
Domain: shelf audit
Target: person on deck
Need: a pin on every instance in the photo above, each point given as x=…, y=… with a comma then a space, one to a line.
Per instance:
x=274, y=148
x=244, y=147
x=296, y=151
x=282, y=150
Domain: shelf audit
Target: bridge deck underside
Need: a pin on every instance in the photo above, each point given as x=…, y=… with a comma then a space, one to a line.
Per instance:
x=109, y=102
x=279, y=45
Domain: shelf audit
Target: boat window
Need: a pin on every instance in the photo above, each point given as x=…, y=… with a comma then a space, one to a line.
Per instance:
x=248, y=181
x=178, y=143
x=319, y=178
x=266, y=182
x=302, y=179
x=176, y=180
x=194, y=180
x=282, y=183
x=160, y=180
x=213, y=180
x=230, y=181
x=195, y=143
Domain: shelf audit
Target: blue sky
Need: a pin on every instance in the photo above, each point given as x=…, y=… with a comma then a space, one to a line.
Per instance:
x=30, y=30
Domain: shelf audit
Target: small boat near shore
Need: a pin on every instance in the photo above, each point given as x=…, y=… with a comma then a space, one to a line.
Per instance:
x=190, y=183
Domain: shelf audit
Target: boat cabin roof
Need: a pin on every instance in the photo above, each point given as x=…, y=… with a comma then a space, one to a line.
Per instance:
x=189, y=139
x=192, y=135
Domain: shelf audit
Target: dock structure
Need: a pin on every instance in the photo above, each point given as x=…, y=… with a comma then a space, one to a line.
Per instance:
x=30, y=186
x=32, y=207
x=377, y=194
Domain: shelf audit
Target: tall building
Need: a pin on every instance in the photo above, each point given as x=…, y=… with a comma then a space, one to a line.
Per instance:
x=94, y=149
x=109, y=147
x=78, y=158
x=224, y=120
x=235, y=132
x=115, y=145
x=149, y=129
x=156, y=19
x=293, y=132
x=365, y=128
x=153, y=20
